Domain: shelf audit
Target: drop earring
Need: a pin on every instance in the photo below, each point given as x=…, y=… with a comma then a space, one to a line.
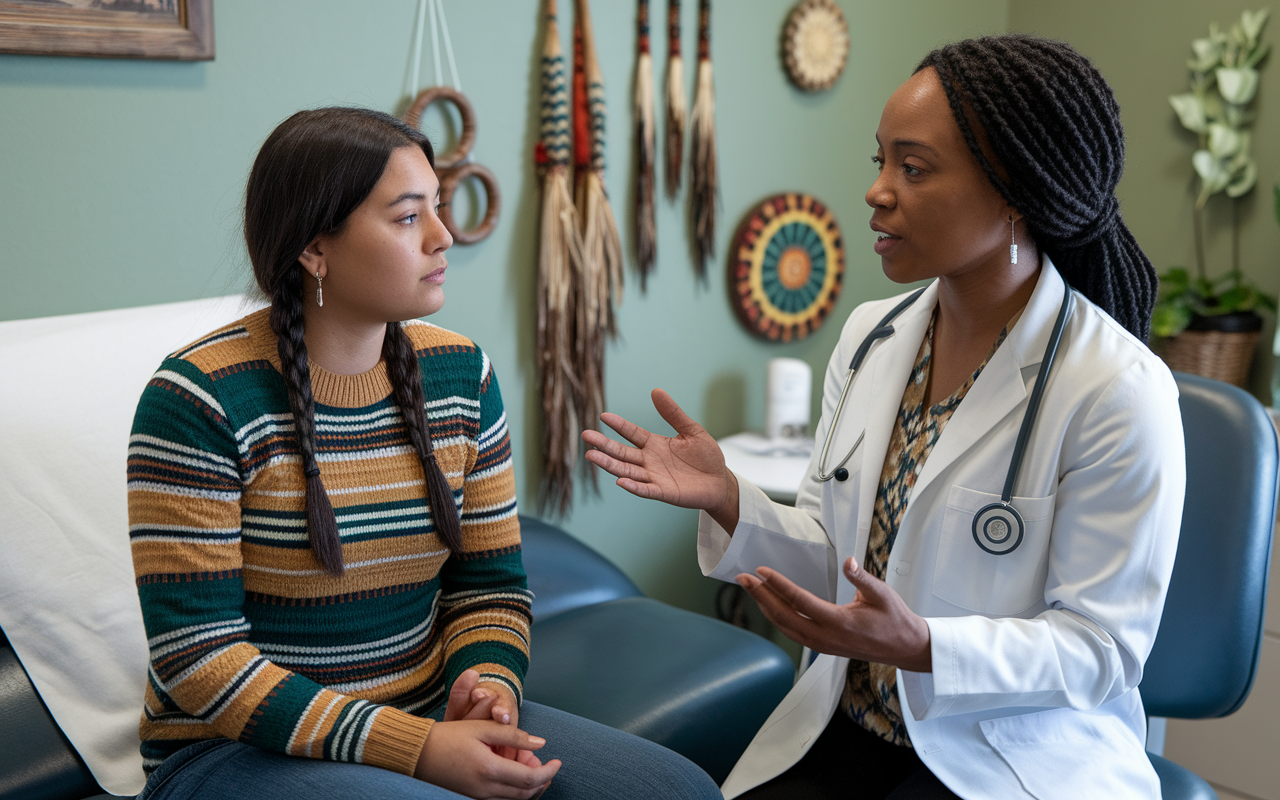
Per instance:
x=1013, y=243
x=320, y=287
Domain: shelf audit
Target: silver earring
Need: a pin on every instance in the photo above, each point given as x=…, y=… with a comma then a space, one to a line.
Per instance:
x=320, y=285
x=1013, y=244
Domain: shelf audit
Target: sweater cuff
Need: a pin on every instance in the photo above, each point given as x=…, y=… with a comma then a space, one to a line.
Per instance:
x=396, y=740
x=497, y=673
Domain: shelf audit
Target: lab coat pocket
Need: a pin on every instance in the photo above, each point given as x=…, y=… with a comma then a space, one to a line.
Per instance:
x=970, y=577
x=1064, y=753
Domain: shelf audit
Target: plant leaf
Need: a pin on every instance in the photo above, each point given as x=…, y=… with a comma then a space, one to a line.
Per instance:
x=1173, y=284
x=1224, y=141
x=1257, y=55
x=1170, y=319
x=1244, y=180
x=1206, y=165
x=1190, y=110
x=1237, y=85
x=1239, y=298
x=1252, y=22
x=1207, y=51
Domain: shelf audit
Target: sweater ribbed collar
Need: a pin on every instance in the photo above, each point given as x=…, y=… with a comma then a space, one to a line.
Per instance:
x=328, y=388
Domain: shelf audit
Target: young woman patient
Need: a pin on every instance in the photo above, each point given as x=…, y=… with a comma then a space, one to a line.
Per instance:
x=982, y=627
x=323, y=519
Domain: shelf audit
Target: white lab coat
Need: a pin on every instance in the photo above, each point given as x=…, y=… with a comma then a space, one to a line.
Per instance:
x=1037, y=654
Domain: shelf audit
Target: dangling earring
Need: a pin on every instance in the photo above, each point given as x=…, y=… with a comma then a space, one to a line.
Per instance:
x=1013, y=243
x=320, y=285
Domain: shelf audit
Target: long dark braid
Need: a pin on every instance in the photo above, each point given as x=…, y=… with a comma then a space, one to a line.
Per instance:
x=1053, y=146
x=287, y=323
x=314, y=169
x=402, y=369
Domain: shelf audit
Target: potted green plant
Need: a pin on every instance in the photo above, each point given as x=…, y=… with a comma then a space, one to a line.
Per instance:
x=1210, y=325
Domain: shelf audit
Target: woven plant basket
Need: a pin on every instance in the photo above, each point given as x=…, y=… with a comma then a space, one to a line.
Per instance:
x=1213, y=354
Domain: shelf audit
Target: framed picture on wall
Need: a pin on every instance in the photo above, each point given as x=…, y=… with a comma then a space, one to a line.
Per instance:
x=166, y=29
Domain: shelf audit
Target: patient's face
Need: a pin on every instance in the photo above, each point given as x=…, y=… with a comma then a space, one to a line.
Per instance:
x=387, y=263
x=933, y=200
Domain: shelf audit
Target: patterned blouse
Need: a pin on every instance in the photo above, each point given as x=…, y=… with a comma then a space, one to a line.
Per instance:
x=870, y=695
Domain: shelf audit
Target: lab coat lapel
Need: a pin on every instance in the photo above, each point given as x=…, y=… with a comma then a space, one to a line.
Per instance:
x=1001, y=387
x=888, y=368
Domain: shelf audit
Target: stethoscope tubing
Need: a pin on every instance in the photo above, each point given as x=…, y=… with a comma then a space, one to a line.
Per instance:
x=1033, y=405
x=881, y=331
x=997, y=527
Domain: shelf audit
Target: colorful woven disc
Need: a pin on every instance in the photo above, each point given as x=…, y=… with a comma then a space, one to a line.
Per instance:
x=787, y=267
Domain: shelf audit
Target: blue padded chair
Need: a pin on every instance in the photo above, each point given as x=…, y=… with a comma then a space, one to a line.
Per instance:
x=603, y=651
x=1206, y=652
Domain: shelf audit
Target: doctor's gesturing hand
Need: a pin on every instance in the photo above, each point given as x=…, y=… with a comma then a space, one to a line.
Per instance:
x=688, y=470
x=877, y=626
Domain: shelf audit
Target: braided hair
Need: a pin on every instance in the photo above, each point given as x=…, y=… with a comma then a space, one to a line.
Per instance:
x=311, y=173
x=1043, y=124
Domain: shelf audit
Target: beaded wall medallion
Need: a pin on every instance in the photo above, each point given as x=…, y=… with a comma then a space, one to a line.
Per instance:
x=787, y=267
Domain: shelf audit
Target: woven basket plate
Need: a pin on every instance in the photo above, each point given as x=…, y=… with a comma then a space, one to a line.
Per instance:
x=815, y=44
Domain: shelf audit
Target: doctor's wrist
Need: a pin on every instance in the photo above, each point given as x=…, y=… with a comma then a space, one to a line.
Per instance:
x=726, y=514
x=921, y=659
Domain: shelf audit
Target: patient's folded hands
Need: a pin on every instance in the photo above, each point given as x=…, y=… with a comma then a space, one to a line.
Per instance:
x=477, y=750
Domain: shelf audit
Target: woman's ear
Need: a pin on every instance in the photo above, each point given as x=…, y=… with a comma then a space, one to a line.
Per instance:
x=312, y=259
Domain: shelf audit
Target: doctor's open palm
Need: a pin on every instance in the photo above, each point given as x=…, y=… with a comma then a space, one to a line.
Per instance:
x=686, y=470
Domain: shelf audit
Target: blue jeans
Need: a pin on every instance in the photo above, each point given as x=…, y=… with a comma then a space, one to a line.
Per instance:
x=598, y=762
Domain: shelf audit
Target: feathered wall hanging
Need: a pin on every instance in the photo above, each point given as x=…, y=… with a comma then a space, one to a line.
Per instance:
x=646, y=226
x=674, y=121
x=601, y=246
x=560, y=267
x=703, y=178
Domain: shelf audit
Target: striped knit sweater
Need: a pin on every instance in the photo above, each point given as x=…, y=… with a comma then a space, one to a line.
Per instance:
x=250, y=639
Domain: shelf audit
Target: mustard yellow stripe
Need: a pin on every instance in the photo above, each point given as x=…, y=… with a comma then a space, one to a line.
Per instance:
x=159, y=558
x=393, y=690
x=459, y=637
x=156, y=508
x=296, y=573
x=219, y=355
x=396, y=740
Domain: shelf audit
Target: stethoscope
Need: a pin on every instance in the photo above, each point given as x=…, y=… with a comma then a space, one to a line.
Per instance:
x=997, y=527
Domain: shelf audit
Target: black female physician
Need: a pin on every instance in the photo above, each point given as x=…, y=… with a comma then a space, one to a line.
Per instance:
x=955, y=671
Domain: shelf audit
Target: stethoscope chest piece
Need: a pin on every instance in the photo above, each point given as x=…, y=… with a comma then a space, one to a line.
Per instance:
x=997, y=528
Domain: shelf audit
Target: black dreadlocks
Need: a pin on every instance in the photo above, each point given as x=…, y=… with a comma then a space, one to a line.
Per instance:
x=1054, y=151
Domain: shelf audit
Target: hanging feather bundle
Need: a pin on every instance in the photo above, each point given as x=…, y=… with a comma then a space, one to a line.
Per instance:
x=675, y=117
x=646, y=226
x=559, y=271
x=703, y=179
x=602, y=274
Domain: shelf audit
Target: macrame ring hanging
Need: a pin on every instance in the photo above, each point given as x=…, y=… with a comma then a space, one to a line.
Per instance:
x=787, y=267
x=468, y=138
x=452, y=170
x=493, y=201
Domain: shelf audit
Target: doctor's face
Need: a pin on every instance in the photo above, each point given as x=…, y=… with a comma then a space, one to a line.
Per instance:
x=936, y=213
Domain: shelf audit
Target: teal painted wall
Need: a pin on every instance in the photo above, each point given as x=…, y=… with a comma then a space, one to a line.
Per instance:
x=1142, y=49
x=121, y=184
